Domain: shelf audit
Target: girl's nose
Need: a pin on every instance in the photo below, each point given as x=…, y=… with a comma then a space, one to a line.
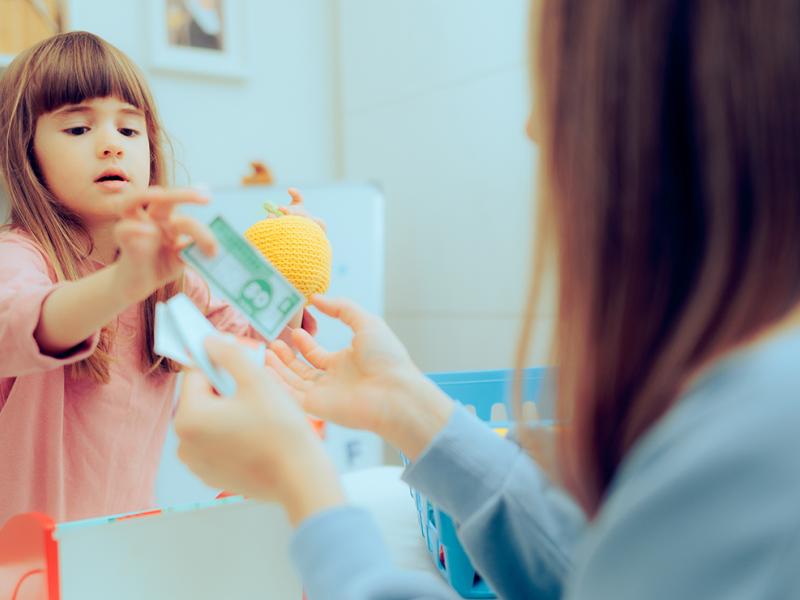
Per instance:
x=108, y=145
x=111, y=150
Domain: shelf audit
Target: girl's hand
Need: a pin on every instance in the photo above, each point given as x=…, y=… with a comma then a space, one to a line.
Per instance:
x=371, y=385
x=257, y=443
x=151, y=234
x=296, y=207
x=302, y=320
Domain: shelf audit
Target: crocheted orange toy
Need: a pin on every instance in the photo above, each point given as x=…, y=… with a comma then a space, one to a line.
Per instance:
x=297, y=246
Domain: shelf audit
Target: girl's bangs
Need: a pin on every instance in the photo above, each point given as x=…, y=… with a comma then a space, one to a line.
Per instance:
x=78, y=68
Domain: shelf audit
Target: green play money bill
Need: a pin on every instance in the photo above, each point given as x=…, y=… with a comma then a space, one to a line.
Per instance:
x=242, y=275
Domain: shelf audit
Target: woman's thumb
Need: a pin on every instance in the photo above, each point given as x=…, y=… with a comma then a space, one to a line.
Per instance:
x=234, y=358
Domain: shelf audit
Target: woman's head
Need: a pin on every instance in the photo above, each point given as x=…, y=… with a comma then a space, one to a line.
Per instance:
x=669, y=133
x=74, y=113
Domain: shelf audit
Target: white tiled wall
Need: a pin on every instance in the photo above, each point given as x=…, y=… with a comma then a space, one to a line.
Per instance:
x=434, y=99
x=396, y=49
x=281, y=112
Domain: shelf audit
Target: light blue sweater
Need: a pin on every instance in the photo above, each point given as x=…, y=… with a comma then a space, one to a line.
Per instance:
x=706, y=506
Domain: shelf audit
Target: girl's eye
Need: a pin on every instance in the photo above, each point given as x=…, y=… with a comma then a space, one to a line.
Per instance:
x=76, y=130
x=127, y=132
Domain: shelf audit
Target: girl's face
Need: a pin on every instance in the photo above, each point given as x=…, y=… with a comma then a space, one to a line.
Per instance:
x=93, y=155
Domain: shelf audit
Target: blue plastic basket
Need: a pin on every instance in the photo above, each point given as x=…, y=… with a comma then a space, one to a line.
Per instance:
x=489, y=394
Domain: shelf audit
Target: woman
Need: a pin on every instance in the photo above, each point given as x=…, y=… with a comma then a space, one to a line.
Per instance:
x=668, y=132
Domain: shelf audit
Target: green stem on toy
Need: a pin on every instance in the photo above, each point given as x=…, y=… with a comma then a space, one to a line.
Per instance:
x=270, y=208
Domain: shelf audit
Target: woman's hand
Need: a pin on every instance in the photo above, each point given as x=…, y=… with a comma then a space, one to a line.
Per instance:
x=257, y=443
x=151, y=234
x=371, y=385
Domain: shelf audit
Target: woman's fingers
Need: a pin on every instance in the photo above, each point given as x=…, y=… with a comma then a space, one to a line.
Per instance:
x=196, y=403
x=310, y=349
x=295, y=384
x=298, y=367
x=282, y=369
x=282, y=350
x=235, y=359
x=346, y=311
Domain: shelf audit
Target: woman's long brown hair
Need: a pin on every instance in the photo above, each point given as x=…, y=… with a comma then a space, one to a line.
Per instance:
x=670, y=147
x=68, y=69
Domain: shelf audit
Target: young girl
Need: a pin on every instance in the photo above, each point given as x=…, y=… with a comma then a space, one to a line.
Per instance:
x=668, y=134
x=91, y=247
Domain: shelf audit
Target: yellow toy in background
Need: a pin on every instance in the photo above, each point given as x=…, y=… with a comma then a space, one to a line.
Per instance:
x=297, y=246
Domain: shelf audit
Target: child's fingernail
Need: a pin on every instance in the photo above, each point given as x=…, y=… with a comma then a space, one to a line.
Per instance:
x=202, y=188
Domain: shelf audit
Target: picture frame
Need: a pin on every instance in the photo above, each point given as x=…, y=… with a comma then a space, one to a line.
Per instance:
x=198, y=37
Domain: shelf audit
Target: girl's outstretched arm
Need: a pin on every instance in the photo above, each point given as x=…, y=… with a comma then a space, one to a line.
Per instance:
x=77, y=309
x=150, y=235
x=27, y=281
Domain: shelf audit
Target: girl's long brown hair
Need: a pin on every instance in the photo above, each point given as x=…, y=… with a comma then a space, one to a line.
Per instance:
x=670, y=145
x=68, y=69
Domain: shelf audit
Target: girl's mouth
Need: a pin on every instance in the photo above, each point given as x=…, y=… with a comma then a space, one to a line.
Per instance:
x=111, y=182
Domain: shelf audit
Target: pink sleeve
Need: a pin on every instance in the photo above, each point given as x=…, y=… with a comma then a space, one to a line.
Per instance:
x=25, y=283
x=221, y=314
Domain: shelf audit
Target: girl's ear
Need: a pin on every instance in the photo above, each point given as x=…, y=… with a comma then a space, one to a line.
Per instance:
x=530, y=129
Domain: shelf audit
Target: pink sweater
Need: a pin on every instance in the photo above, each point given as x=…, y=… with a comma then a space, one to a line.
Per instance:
x=74, y=449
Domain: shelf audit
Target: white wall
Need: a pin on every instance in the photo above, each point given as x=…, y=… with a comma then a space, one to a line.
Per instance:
x=426, y=98
x=434, y=100
x=282, y=113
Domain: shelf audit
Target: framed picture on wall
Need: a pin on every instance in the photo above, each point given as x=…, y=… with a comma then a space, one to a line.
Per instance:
x=200, y=37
